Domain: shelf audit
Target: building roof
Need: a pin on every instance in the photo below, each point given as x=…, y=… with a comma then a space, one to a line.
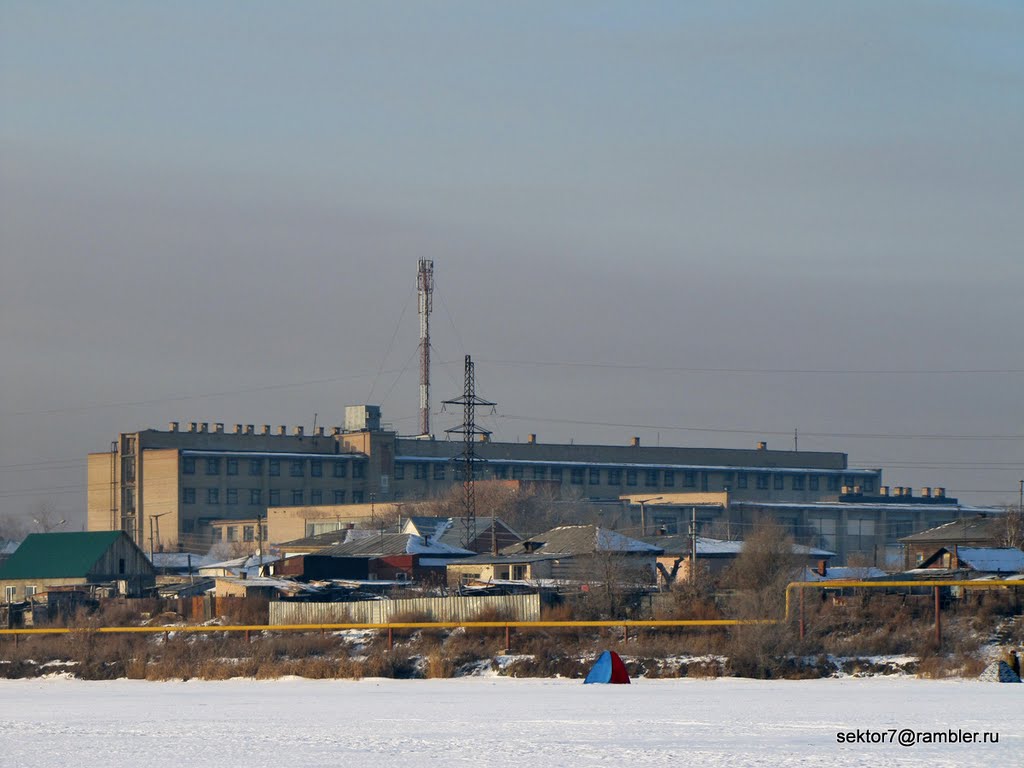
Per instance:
x=844, y=573
x=66, y=555
x=319, y=540
x=378, y=544
x=868, y=506
x=983, y=527
x=707, y=547
x=452, y=530
x=991, y=559
x=580, y=540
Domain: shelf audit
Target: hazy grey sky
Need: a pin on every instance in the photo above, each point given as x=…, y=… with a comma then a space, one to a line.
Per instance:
x=201, y=201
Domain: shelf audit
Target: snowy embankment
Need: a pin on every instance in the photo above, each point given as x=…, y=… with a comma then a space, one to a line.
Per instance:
x=499, y=722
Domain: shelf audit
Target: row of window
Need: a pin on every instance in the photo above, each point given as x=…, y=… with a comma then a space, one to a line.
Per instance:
x=230, y=533
x=651, y=478
x=233, y=496
x=296, y=467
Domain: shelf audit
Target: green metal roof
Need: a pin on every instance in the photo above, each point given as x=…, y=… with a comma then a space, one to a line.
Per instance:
x=57, y=555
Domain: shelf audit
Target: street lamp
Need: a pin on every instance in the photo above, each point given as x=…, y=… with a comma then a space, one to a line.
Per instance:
x=157, y=519
x=47, y=526
x=643, y=513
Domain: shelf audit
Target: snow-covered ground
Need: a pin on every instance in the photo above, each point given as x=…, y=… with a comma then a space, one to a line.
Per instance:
x=499, y=722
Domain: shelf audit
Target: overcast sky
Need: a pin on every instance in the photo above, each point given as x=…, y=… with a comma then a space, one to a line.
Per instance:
x=702, y=224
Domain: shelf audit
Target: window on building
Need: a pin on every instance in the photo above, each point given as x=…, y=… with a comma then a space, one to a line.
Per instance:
x=539, y=473
x=339, y=497
x=439, y=471
x=188, y=495
x=232, y=496
x=900, y=528
x=297, y=496
x=188, y=525
x=556, y=474
x=316, y=496
x=340, y=469
x=188, y=466
x=812, y=482
x=594, y=476
x=358, y=470
x=860, y=533
x=517, y=473
x=232, y=466
x=232, y=532
x=798, y=482
x=213, y=495
x=419, y=471
x=316, y=468
x=399, y=470
x=248, y=533
x=651, y=478
x=669, y=478
x=762, y=481
x=9, y=594
x=254, y=496
x=255, y=467
x=630, y=477
x=727, y=478
x=357, y=497
x=689, y=479
x=704, y=480
x=869, y=485
x=275, y=497
x=274, y=466
x=833, y=482
x=778, y=482
x=31, y=589
x=500, y=471
x=213, y=466
x=576, y=475
x=297, y=468
x=614, y=477
x=741, y=479
x=218, y=534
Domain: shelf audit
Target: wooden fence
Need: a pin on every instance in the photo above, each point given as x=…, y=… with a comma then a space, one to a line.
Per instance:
x=456, y=609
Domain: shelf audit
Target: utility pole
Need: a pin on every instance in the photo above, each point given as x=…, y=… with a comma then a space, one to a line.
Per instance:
x=468, y=461
x=643, y=513
x=425, y=290
x=693, y=546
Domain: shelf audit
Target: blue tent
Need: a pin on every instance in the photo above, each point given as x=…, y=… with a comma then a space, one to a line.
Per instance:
x=608, y=669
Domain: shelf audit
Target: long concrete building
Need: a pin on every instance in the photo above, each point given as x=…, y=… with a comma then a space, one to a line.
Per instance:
x=166, y=488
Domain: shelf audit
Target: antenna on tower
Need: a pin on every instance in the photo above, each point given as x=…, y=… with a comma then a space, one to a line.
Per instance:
x=425, y=289
x=468, y=461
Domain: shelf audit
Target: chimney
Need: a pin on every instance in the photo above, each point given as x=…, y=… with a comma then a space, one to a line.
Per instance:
x=926, y=492
x=219, y=427
x=266, y=429
x=250, y=429
x=239, y=429
x=858, y=490
x=635, y=442
x=299, y=431
x=319, y=431
x=822, y=568
x=204, y=427
x=172, y=427
x=282, y=430
x=335, y=431
x=883, y=490
x=484, y=437
x=908, y=491
x=192, y=426
x=762, y=445
x=531, y=438
x=939, y=493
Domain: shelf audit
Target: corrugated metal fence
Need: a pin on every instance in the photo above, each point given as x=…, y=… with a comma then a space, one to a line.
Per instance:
x=511, y=607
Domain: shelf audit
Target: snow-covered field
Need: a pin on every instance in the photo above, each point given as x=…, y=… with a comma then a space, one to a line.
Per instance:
x=499, y=722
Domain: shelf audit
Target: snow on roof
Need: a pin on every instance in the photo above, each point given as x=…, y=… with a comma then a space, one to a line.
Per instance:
x=707, y=547
x=662, y=465
x=179, y=560
x=392, y=544
x=272, y=454
x=579, y=540
x=992, y=559
x=866, y=506
x=843, y=573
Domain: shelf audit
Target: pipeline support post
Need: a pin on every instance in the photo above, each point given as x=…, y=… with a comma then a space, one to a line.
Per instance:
x=938, y=620
x=803, y=623
x=391, y=639
x=508, y=639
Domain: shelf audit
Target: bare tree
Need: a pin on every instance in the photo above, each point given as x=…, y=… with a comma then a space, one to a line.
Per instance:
x=1013, y=535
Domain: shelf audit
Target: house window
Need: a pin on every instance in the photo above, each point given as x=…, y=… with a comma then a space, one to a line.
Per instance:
x=213, y=466
x=399, y=470
x=232, y=496
x=358, y=470
x=218, y=534
x=339, y=497
x=812, y=482
x=869, y=485
x=232, y=533
x=340, y=469
x=860, y=535
x=254, y=495
x=576, y=475
x=741, y=479
x=275, y=497
x=9, y=593
x=630, y=477
x=539, y=473
x=248, y=533
x=297, y=468
x=31, y=589
x=762, y=480
x=188, y=495
x=213, y=495
x=670, y=478
x=419, y=471
x=188, y=526
x=556, y=475
x=316, y=468
x=255, y=467
x=275, y=467
x=900, y=528
x=689, y=479
x=651, y=478
x=188, y=466
x=439, y=471
x=316, y=496
x=297, y=496
x=517, y=473
x=357, y=497
x=518, y=572
x=232, y=466
x=120, y=567
x=798, y=482
x=614, y=477
x=778, y=482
